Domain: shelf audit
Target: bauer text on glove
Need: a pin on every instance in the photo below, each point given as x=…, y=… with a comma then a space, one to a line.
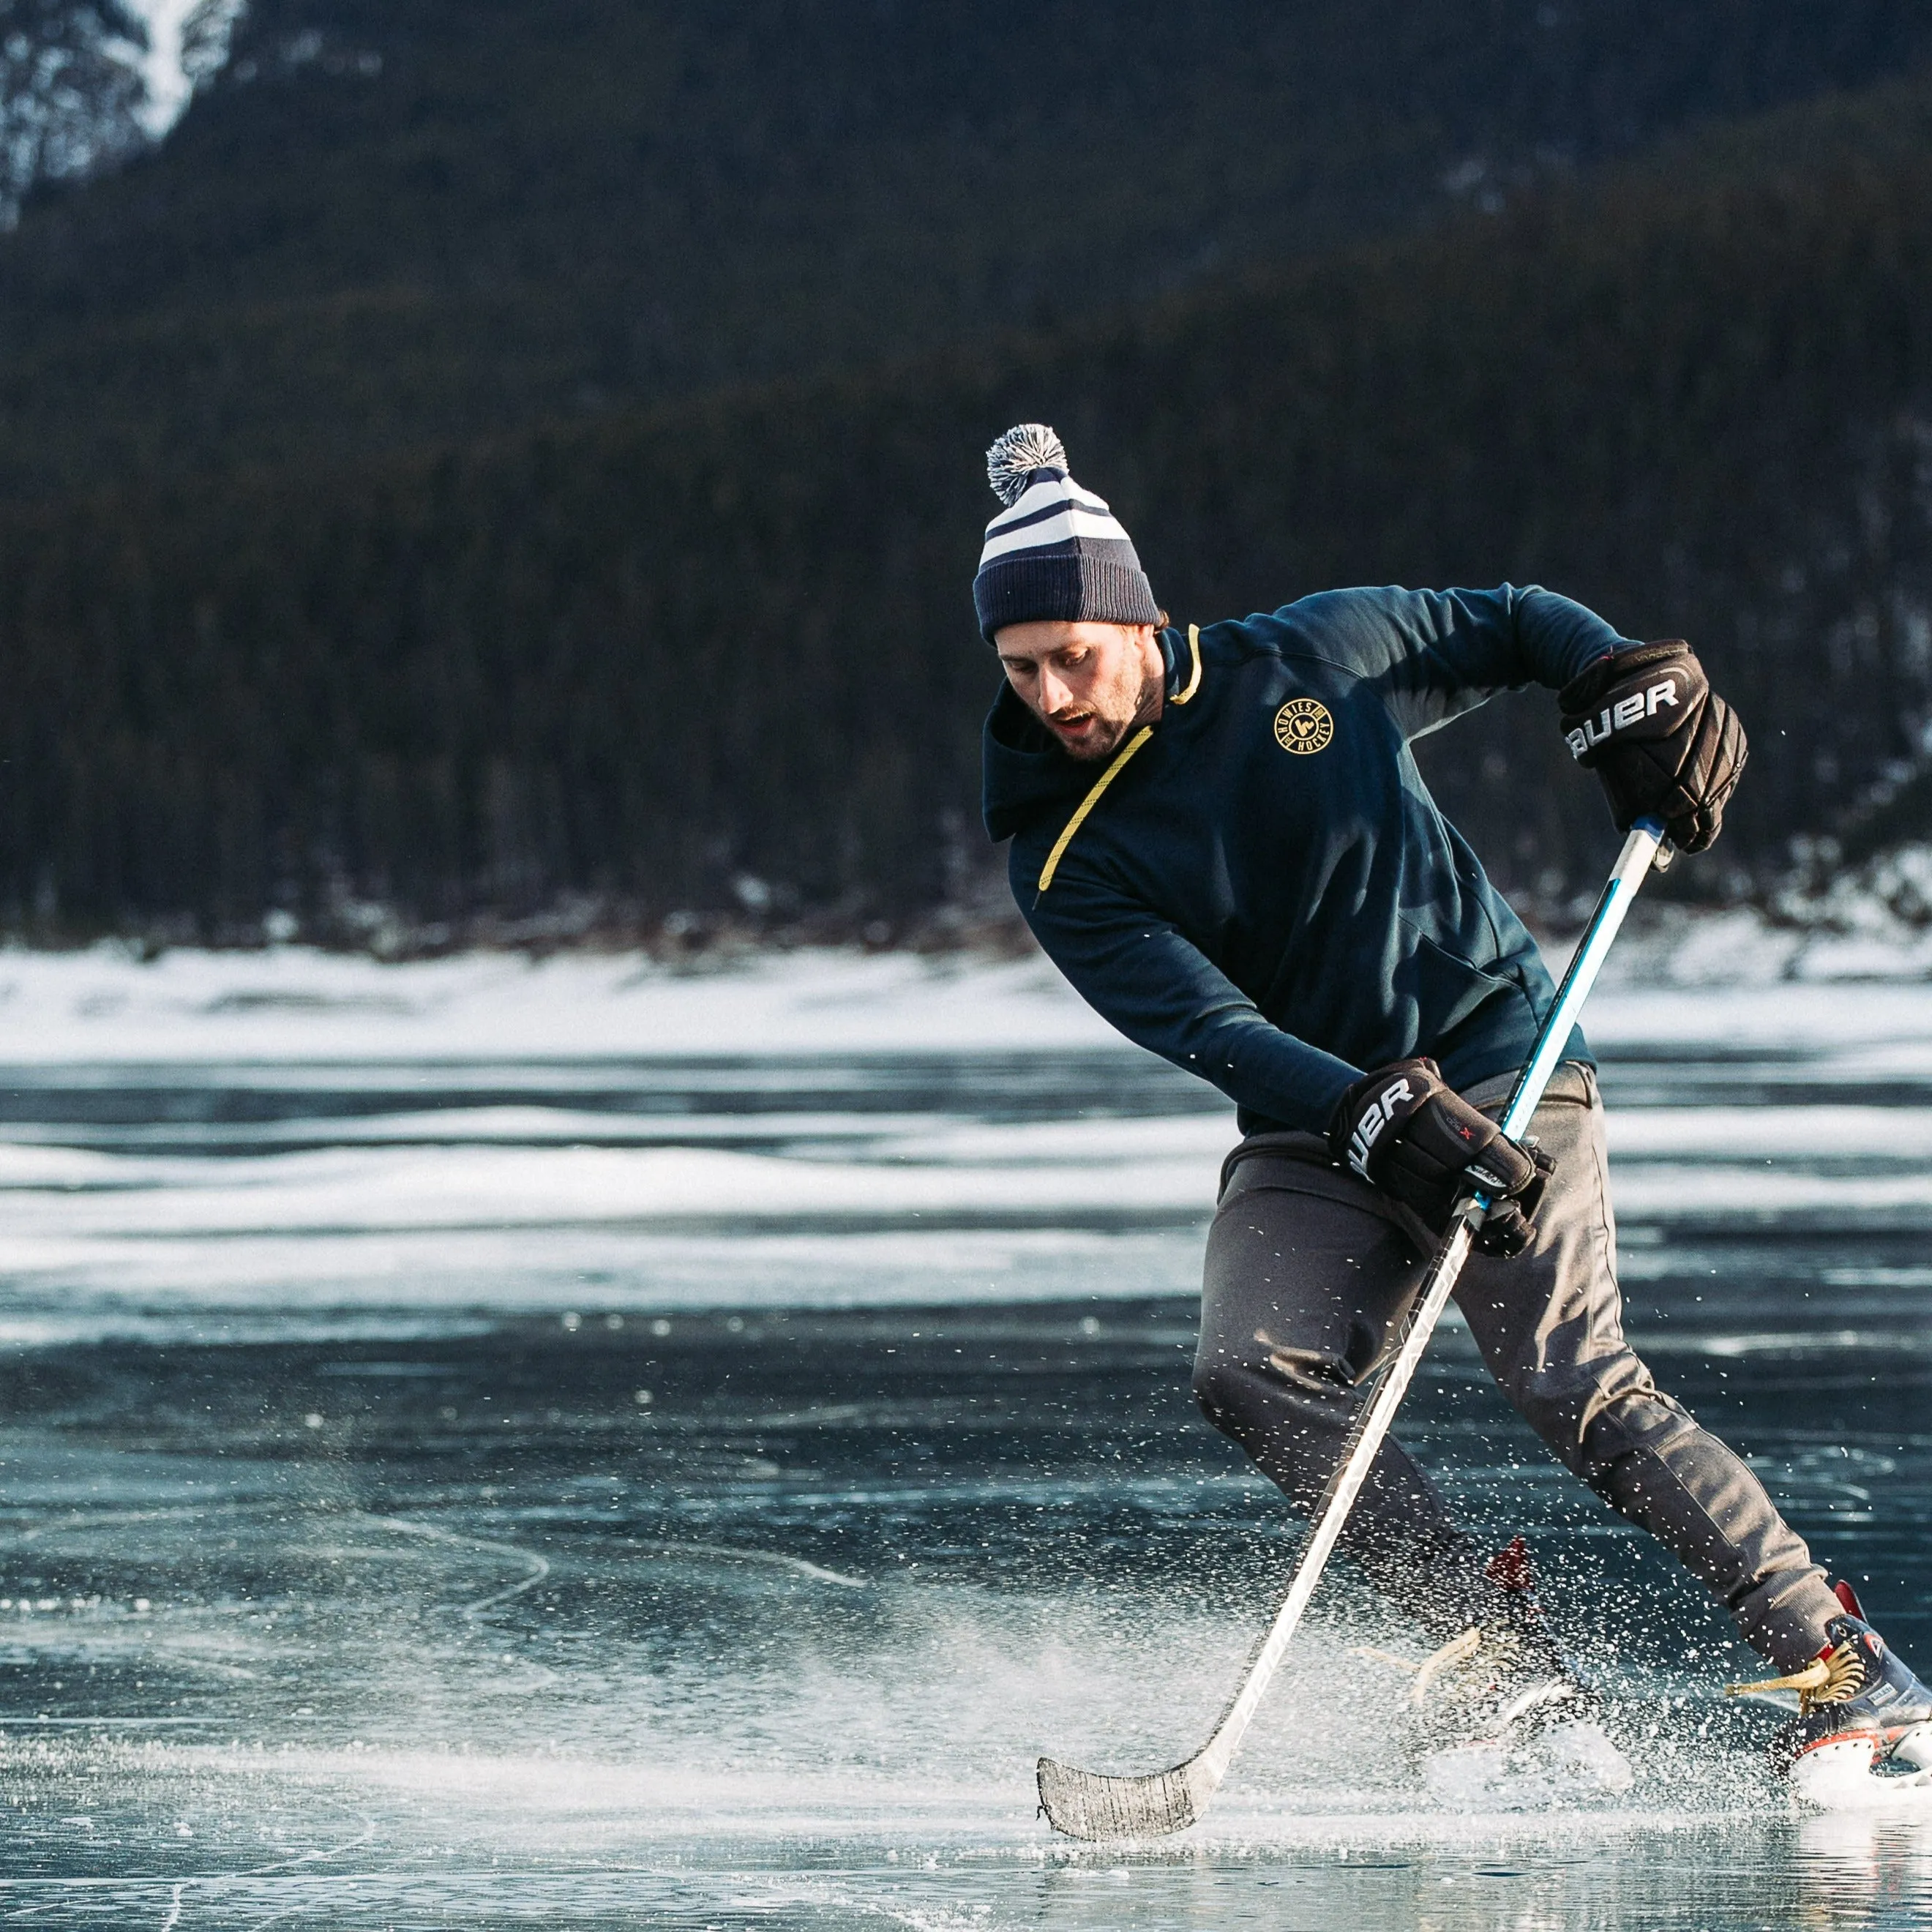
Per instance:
x=1645, y=720
x=1404, y=1130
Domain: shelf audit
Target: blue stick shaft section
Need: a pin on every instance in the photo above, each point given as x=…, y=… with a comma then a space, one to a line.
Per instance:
x=1640, y=849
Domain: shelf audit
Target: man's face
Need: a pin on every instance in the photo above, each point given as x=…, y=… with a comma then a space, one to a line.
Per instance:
x=1088, y=683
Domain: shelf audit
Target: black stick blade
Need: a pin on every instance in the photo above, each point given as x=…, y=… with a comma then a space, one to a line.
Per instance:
x=1084, y=1804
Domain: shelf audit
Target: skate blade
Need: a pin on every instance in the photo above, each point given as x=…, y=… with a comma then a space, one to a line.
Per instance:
x=1585, y=1746
x=1845, y=1777
x=1567, y=1763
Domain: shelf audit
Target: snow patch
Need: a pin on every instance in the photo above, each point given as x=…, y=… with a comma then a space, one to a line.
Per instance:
x=1870, y=922
x=188, y=45
x=293, y=1005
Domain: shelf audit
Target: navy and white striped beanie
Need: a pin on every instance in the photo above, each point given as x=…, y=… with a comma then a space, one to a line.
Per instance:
x=1056, y=550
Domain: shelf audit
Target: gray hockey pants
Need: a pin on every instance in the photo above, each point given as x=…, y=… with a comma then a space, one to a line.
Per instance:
x=1309, y=1272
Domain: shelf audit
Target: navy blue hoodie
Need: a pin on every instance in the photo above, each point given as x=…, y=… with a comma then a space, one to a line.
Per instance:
x=1258, y=886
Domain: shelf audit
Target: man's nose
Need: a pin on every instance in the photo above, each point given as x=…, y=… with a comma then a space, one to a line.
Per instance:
x=1053, y=695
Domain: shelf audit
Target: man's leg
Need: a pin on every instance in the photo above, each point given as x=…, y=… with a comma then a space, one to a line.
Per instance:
x=1549, y=1323
x=1307, y=1269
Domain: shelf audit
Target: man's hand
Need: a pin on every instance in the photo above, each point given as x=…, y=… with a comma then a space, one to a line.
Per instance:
x=1645, y=720
x=1402, y=1130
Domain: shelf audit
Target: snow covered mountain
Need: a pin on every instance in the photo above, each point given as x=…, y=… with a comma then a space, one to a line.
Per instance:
x=84, y=83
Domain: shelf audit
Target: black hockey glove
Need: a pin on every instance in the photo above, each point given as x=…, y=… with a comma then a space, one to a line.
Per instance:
x=1645, y=720
x=1404, y=1131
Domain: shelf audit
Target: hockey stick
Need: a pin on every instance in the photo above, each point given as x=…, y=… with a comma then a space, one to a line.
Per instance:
x=1087, y=1804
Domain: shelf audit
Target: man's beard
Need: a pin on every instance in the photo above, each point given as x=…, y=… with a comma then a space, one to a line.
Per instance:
x=1106, y=738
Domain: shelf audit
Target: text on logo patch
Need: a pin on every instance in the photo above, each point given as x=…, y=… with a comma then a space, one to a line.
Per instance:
x=1303, y=725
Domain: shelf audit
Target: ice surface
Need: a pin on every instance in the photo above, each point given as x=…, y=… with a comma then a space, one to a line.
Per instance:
x=478, y=1637
x=458, y=1671
x=575, y=1443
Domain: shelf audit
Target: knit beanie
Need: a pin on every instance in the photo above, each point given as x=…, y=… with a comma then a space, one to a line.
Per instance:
x=1055, y=551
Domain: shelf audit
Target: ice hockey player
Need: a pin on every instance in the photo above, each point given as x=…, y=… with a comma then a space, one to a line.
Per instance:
x=1220, y=836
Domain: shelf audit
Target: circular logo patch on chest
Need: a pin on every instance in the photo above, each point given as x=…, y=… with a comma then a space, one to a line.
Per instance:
x=1303, y=725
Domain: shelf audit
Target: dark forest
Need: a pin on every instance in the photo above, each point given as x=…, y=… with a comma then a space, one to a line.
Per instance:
x=625, y=564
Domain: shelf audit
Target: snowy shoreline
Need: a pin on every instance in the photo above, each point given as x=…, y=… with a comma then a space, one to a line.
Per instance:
x=1731, y=976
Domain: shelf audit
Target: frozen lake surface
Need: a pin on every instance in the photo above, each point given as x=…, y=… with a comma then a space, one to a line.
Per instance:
x=574, y=1445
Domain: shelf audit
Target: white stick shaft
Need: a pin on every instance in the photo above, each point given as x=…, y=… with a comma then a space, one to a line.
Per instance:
x=1640, y=848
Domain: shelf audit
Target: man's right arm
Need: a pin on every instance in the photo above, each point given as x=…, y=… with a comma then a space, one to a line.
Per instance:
x=1143, y=976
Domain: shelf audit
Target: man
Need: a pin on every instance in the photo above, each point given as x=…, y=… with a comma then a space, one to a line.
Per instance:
x=1221, y=837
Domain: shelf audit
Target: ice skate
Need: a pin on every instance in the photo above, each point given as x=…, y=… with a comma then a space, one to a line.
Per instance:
x=1500, y=1703
x=1500, y=1680
x=1864, y=1727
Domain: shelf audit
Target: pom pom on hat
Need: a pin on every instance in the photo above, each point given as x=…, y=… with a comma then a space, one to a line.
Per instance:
x=1055, y=551
x=1024, y=447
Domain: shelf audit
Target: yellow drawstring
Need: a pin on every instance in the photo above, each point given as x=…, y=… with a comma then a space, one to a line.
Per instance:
x=1121, y=757
x=1087, y=803
x=1194, y=682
